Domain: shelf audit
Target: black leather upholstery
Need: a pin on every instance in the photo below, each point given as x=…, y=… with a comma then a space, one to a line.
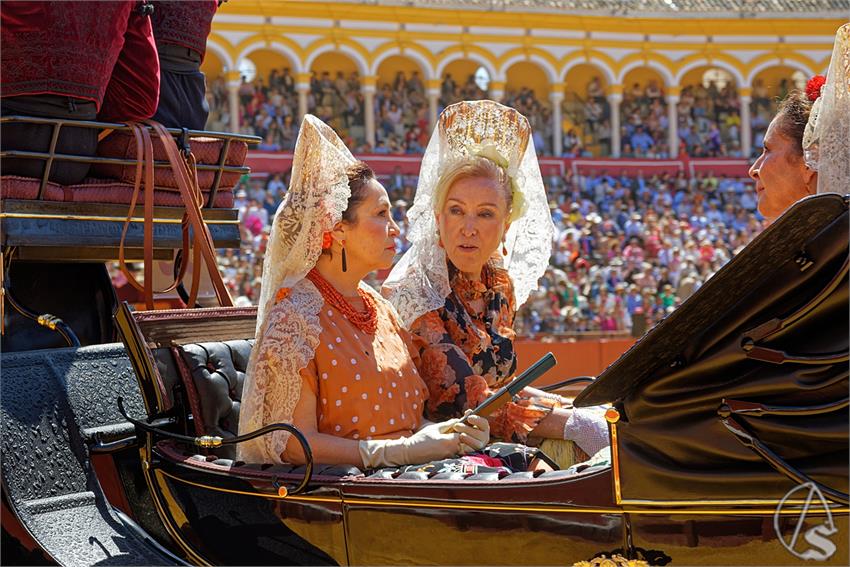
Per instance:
x=217, y=370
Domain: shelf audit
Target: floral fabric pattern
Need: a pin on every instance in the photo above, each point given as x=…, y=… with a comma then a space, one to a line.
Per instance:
x=466, y=352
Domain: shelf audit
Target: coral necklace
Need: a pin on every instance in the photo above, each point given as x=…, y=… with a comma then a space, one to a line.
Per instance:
x=366, y=321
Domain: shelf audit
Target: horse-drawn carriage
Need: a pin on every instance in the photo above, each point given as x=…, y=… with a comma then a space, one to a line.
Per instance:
x=728, y=423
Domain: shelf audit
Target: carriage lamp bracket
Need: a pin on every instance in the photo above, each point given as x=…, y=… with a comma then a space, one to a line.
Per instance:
x=214, y=441
x=730, y=408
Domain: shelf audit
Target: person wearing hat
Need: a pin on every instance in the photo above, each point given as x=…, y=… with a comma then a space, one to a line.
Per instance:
x=330, y=355
x=481, y=234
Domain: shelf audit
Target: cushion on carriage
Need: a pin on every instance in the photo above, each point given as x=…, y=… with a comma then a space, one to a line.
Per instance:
x=94, y=190
x=207, y=151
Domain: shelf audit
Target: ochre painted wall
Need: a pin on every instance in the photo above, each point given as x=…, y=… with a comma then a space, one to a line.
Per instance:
x=580, y=358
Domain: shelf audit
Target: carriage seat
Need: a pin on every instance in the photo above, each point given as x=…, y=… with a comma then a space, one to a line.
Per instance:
x=214, y=375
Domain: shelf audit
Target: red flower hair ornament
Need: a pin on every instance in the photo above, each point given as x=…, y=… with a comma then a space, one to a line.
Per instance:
x=813, y=87
x=326, y=241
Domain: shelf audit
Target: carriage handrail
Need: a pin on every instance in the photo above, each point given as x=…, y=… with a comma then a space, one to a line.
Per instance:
x=183, y=134
x=214, y=441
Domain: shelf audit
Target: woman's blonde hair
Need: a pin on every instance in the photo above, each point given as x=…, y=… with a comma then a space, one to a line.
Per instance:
x=475, y=167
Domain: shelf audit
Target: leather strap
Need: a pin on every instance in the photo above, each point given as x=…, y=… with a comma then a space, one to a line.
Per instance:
x=194, y=230
x=188, y=184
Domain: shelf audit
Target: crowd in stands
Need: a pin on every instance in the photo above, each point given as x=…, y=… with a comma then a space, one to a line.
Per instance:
x=709, y=119
x=627, y=250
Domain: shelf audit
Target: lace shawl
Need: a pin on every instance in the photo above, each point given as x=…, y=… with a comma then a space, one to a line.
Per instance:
x=273, y=384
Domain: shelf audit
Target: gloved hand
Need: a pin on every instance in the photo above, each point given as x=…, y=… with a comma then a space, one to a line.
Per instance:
x=433, y=442
x=474, y=434
x=588, y=429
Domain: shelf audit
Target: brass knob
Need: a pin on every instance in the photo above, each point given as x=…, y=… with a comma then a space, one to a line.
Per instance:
x=612, y=415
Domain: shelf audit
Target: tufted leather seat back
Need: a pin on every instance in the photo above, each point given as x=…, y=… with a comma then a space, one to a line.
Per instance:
x=214, y=373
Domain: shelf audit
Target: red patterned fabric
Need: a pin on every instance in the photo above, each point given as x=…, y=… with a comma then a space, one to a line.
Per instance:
x=61, y=48
x=205, y=150
x=133, y=91
x=98, y=191
x=185, y=23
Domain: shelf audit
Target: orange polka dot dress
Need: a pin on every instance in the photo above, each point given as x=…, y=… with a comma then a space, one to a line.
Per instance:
x=366, y=387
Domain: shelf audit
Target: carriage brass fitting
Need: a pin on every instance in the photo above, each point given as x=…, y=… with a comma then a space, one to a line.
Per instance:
x=612, y=415
x=47, y=321
x=208, y=441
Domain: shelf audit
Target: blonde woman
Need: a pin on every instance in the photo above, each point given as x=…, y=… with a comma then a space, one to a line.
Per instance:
x=481, y=235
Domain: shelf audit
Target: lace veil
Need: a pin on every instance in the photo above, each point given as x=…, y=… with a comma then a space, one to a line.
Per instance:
x=419, y=282
x=287, y=316
x=826, y=141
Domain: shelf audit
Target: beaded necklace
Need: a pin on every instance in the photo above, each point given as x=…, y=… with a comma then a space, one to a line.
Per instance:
x=366, y=321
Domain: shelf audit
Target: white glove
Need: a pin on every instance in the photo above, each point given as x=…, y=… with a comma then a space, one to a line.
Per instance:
x=474, y=434
x=588, y=429
x=433, y=442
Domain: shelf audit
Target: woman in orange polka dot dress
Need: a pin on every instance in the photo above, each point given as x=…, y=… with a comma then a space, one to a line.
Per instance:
x=481, y=234
x=330, y=355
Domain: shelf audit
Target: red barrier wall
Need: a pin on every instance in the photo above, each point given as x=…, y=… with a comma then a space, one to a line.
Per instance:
x=580, y=358
x=262, y=162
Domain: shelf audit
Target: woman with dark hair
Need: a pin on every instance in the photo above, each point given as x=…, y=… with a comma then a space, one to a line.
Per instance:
x=780, y=172
x=330, y=355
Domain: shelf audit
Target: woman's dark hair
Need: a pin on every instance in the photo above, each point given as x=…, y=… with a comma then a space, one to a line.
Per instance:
x=792, y=115
x=359, y=174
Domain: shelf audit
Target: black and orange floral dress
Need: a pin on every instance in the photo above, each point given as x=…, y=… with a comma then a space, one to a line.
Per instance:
x=466, y=352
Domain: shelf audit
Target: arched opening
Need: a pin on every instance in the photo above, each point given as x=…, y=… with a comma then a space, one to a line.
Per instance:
x=527, y=90
x=586, y=113
x=336, y=97
x=643, y=115
x=267, y=98
x=770, y=87
x=464, y=79
x=709, y=112
x=401, y=113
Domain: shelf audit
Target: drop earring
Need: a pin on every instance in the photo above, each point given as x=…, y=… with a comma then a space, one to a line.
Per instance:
x=344, y=259
x=504, y=249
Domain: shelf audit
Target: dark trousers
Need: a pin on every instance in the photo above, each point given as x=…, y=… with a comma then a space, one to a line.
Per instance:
x=37, y=137
x=182, y=89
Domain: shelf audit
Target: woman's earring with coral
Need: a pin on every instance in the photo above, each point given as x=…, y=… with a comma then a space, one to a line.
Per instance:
x=344, y=260
x=504, y=248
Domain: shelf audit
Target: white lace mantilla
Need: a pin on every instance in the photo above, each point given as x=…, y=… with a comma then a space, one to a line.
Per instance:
x=419, y=282
x=826, y=141
x=273, y=380
x=318, y=195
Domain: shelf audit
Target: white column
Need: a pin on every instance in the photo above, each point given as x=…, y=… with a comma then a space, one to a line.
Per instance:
x=234, y=80
x=302, y=89
x=557, y=97
x=497, y=90
x=746, y=126
x=614, y=100
x=433, y=103
x=673, y=125
x=369, y=112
